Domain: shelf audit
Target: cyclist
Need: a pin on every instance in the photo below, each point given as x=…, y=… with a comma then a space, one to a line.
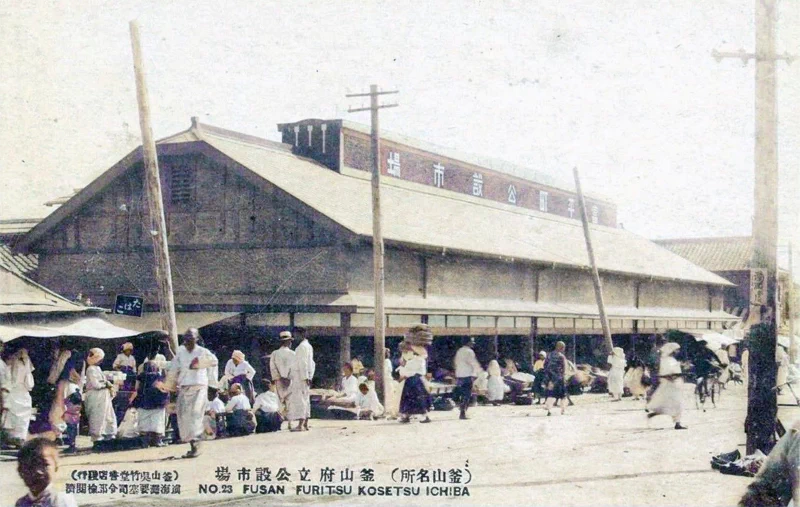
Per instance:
x=706, y=367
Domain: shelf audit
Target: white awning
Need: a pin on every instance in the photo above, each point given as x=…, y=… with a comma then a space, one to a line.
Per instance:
x=714, y=339
x=151, y=321
x=90, y=327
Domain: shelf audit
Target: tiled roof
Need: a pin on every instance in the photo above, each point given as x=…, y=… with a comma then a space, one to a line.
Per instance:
x=16, y=226
x=421, y=216
x=714, y=254
x=21, y=264
x=19, y=294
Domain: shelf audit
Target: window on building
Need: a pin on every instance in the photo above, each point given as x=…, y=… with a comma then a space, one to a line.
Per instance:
x=181, y=185
x=571, y=207
x=595, y=215
x=542, y=201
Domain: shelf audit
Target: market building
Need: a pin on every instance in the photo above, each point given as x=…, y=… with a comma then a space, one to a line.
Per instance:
x=266, y=235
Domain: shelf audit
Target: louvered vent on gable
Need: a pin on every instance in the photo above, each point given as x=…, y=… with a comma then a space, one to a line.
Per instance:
x=182, y=184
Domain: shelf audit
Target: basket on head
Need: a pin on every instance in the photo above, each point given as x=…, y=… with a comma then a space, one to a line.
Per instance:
x=420, y=335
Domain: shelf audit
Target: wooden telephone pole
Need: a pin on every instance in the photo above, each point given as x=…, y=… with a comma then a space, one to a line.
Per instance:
x=598, y=285
x=155, y=202
x=377, y=236
x=791, y=307
x=762, y=406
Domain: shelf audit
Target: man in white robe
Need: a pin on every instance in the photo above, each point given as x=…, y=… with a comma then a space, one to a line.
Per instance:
x=299, y=402
x=17, y=400
x=189, y=374
x=281, y=363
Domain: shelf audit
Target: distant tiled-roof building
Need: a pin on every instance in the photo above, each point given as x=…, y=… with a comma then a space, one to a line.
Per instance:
x=11, y=230
x=730, y=258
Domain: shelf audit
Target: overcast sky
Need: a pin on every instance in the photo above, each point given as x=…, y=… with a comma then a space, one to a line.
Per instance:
x=626, y=90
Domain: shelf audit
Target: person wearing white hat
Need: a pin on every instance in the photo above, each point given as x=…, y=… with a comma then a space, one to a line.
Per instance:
x=239, y=371
x=668, y=397
x=281, y=363
x=125, y=361
x=616, y=374
x=189, y=372
x=99, y=407
x=299, y=402
x=415, y=399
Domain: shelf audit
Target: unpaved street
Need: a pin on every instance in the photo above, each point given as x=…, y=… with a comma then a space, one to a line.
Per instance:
x=600, y=453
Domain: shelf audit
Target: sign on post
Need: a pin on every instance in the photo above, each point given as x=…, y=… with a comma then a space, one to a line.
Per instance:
x=129, y=305
x=758, y=287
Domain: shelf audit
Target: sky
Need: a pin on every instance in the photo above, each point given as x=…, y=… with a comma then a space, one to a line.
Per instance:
x=626, y=91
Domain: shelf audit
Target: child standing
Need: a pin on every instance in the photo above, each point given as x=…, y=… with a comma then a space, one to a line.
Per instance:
x=72, y=415
x=37, y=466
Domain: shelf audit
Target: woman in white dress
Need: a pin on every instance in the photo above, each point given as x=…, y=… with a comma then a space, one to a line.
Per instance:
x=99, y=407
x=496, y=387
x=17, y=402
x=239, y=371
x=633, y=379
x=668, y=397
x=616, y=375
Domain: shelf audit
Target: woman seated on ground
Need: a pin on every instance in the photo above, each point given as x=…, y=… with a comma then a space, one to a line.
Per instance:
x=267, y=410
x=241, y=421
x=346, y=396
x=214, y=406
x=367, y=403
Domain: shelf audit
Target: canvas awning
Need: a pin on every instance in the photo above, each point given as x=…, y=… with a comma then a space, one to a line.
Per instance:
x=48, y=327
x=151, y=321
x=714, y=339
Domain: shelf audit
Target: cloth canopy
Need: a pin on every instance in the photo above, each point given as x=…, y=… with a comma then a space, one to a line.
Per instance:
x=715, y=340
x=91, y=327
x=151, y=321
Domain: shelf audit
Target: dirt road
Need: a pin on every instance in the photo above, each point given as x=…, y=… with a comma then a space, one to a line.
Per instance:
x=599, y=453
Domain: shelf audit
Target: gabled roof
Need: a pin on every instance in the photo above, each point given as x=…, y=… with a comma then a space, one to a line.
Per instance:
x=20, y=295
x=714, y=254
x=420, y=216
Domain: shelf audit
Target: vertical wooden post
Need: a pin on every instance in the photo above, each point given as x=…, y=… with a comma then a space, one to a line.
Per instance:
x=532, y=339
x=762, y=407
x=790, y=295
x=155, y=202
x=379, y=339
x=377, y=247
x=598, y=286
x=496, y=340
x=344, y=339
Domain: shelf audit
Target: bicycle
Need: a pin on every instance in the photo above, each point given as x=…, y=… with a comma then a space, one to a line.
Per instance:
x=707, y=386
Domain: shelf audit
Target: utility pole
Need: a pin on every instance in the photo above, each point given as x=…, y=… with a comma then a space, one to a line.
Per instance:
x=791, y=308
x=155, y=202
x=762, y=406
x=598, y=285
x=377, y=236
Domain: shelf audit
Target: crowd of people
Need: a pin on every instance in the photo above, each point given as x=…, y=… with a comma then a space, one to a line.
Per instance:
x=191, y=381
x=131, y=401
